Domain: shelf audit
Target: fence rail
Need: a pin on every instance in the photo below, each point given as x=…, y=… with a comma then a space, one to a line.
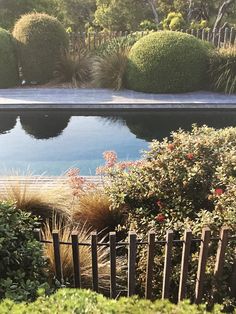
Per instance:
x=222, y=37
x=132, y=244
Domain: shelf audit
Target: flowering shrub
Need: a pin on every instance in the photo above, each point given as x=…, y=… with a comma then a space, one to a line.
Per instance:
x=186, y=182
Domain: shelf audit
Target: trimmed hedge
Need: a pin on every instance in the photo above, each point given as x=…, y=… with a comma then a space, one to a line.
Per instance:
x=84, y=301
x=8, y=60
x=40, y=40
x=167, y=62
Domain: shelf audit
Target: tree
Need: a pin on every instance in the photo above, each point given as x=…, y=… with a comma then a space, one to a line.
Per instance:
x=222, y=10
x=122, y=15
x=11, y=10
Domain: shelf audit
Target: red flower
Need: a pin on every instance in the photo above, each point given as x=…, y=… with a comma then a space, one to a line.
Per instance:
x=219, y=191
x=160, y=218
x=159, y=204
x=190, y=156
x=171, y=147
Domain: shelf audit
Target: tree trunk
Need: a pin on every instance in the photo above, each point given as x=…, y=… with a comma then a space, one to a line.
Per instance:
x=154, y=10
x=190, y=10
x=222, y=10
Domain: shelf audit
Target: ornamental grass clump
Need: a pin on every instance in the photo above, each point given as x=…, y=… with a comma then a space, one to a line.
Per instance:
x=223, y=70
x=74, y=67
x=9, y=75
x=109, y=69
x=167, y=62
x=40, y=39
x=65, y=231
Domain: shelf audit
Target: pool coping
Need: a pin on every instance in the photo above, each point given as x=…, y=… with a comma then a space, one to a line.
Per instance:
x=105, y=99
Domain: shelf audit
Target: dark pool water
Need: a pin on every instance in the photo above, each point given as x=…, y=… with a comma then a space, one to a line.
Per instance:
x=52, y=142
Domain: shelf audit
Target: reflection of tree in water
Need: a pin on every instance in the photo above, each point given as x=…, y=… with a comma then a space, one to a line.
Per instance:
x=44, y=126
x=160, y=125
x=7, y=122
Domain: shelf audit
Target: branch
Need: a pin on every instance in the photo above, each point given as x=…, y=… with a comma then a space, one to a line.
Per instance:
x=222, y=10
x=154, y=10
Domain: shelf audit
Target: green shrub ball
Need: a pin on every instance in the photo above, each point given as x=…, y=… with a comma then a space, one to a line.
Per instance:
x=167, y=62
x=40, y=40
x=8, y=60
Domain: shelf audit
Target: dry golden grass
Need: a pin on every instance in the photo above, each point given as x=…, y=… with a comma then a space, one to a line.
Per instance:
x=34, y=195
x=94, y=209
x=65, y=232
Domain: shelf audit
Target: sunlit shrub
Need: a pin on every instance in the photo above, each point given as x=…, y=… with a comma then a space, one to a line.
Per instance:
x=167, y=62
x=186, y=182
x=40, y=39
x=9, y=75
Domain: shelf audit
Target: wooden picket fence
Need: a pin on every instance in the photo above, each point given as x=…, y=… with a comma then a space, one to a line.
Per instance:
x=222, y=37
x=132, y=244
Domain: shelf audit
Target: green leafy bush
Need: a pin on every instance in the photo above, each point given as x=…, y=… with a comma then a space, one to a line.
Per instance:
x=186, y=182
x=8, y=60
x=173, y=22
x=22, y=267
x=223, y=70
x=167, y=62
x=84, y=301
x=40, y=39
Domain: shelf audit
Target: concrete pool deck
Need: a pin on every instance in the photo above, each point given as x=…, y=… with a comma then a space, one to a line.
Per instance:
x=105, y=99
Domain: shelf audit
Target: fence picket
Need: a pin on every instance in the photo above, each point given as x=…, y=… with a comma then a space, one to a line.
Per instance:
x=94, y=253
x=167, y=265
x=205, y=240
x=184, y=264
x=112, y=242
x=150, y=264
x=131, y=263
x=76, y=259
x=57, y=255
x=222, y=244
x=233, y=279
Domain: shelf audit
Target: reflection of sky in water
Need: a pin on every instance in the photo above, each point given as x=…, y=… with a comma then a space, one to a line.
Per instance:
x=81, y=143
x=83, y=139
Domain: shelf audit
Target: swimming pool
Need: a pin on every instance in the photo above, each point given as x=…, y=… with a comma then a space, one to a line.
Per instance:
x=52, y=142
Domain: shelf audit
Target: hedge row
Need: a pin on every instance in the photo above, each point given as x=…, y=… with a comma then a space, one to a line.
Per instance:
x=84, y=301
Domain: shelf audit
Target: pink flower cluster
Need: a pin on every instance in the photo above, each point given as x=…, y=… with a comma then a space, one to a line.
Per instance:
x=111, y=163
x=77, y=183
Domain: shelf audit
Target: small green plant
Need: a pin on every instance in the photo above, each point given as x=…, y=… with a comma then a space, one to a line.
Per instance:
x=148, y=25
x=22, y=267
x=74, y=67
x=9, y=75
x=40, y=39
x=223, y=70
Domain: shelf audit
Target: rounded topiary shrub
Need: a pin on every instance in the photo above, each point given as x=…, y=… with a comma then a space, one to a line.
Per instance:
x=167, y=62
x=40, y=40
x=8, y=60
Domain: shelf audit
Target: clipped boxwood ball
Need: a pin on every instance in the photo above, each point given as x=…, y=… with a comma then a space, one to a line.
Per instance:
x=40, y=40
x=167, y=62
x=8, y=60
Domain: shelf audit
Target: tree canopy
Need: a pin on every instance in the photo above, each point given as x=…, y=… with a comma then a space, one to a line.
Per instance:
x=119, y=15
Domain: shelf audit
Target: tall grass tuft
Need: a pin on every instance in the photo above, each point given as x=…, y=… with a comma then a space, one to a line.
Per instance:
x=33, y=194
x=109, y=69
x=94, y=209
x=223, y=70
x=74, y=67
x=65, y=231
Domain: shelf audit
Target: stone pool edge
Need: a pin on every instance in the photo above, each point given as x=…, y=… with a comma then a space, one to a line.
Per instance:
x=104, y=99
